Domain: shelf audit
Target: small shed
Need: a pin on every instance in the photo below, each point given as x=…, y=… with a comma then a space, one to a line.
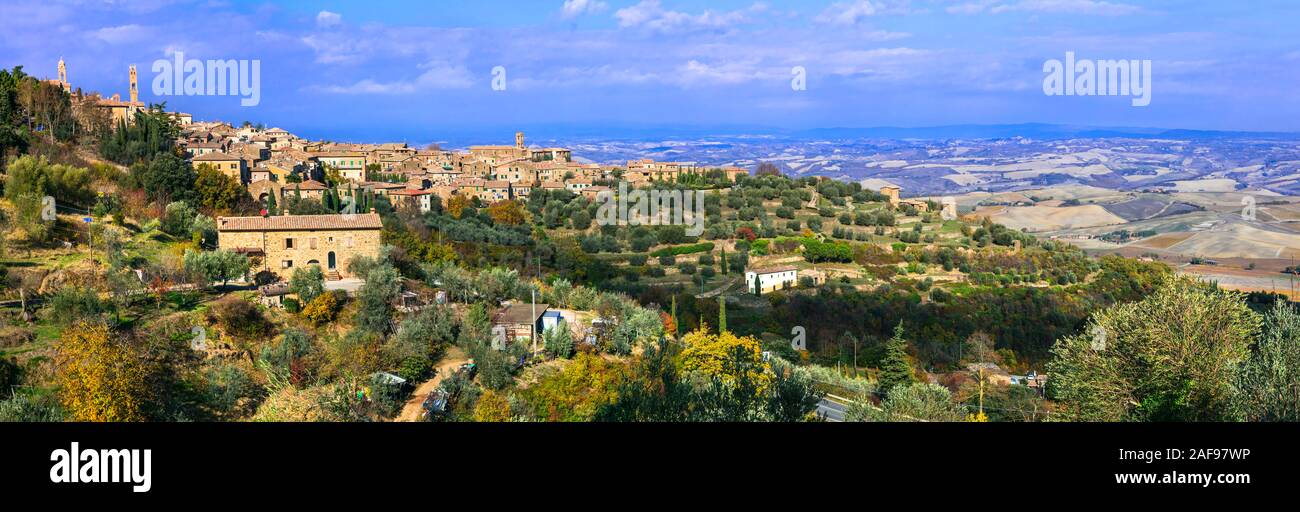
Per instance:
x=551, y=319
x=272, y=295
x=520, y=320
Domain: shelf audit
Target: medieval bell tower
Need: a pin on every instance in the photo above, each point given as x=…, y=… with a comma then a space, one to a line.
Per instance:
x=63, y=73
x=135, y=90
x=519, y=140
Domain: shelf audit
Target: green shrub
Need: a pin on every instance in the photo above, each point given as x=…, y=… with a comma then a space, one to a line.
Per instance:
x=683, y=249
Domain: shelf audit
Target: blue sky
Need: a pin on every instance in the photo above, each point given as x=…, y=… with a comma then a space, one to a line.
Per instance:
x=422, y=70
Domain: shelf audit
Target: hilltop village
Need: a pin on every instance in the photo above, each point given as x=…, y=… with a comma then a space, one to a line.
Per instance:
x=243, y=273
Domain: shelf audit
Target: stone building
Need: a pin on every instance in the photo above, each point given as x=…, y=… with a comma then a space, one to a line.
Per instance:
x=763, y=280
x=282, y=244
x=230, y=165
x=350, y=164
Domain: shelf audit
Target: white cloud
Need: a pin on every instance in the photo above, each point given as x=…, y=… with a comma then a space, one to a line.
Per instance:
x=326, y=19
x=848, y=13
x=695, y=72
x=120, y=34
x=1094, y=7
x=437, y=75
x=970, y=8
x=651, y=16
x=574, y=8
x=885, y=35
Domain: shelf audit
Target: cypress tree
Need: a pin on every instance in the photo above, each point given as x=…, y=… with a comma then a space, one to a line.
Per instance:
x=722, y=314
x=674, y=314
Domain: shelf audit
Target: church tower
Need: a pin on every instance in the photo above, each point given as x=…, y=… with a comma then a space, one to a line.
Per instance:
x=63, y=73
x=519, y=140
x=135, y=91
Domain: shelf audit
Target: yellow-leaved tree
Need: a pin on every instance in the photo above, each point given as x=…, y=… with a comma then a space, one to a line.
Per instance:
x=508, y=212
x=727, y=357
x=457, y=205
x=100, y=377
x=492, y=407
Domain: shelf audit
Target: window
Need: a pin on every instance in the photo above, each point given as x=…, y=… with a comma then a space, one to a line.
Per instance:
x=349, y=241
x=311, y=242
x=288, y=243
x=287, y=263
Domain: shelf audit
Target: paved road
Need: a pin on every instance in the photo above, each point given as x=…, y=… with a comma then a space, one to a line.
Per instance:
x=832, y=411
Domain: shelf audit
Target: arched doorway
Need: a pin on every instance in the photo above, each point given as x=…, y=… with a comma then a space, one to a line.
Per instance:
x=331, y=260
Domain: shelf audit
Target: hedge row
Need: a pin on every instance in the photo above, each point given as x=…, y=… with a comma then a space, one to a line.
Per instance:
x=684, y=249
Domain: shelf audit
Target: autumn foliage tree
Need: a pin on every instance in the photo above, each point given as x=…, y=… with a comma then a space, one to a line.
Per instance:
x=508, y=212
x=457, y=204
x=492, y=406
x=100, y=378
x=725, y=356
x=670, y=324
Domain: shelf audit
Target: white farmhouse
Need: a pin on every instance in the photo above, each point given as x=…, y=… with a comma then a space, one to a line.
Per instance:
x=763, y=280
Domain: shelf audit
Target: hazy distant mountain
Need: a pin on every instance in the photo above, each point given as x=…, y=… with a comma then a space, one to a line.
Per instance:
x=959, y=159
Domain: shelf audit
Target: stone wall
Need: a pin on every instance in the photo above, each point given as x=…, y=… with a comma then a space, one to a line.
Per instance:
x=345, y=244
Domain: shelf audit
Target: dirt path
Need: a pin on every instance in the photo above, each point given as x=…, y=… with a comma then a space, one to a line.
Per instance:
x=411, y=411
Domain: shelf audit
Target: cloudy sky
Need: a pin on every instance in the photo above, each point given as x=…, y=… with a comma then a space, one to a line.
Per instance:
x=423, y=70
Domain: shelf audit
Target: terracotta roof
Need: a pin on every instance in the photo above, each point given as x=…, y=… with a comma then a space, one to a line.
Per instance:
x=384, y=185
x=306, y=185
x=410, y=192
x=215, y=156
x=300, y=222
x=119, y=103
x=773, y=270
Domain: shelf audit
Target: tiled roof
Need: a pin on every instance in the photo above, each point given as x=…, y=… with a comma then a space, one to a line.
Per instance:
x=382, y=185
x=520, y=314
x=216, y=156
x=306, y=185
x=773, y=270
x=300, y=222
